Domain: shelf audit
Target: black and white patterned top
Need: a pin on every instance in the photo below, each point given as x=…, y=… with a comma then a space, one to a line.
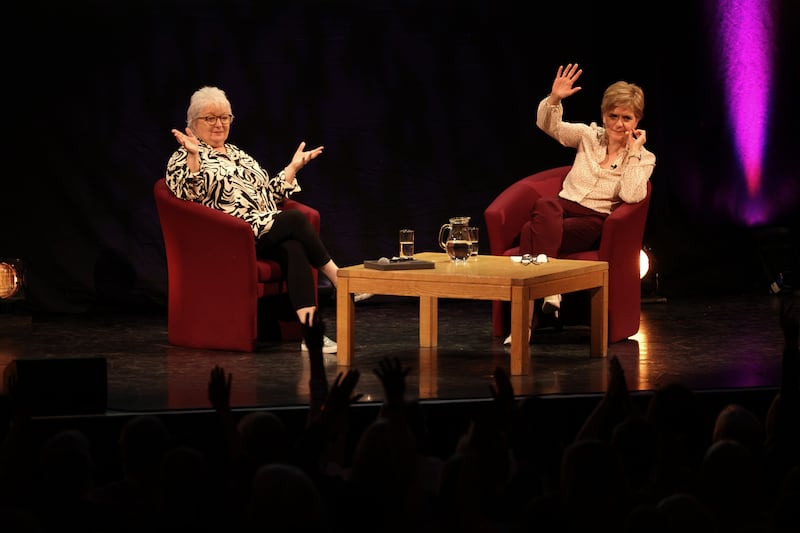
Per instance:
x=233, y=183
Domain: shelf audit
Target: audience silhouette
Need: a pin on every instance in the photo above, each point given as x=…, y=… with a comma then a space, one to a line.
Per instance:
x=663, y=465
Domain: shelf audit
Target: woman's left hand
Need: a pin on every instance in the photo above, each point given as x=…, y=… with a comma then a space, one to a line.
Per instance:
x=303, y=156
x=299, y=160
x=636, y=140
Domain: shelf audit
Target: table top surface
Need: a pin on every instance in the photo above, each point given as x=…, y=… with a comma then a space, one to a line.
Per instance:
x=484, y=268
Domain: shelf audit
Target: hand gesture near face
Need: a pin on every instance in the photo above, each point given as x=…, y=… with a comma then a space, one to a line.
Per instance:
x=187, y=140
x=565, y=79
x=636, y=140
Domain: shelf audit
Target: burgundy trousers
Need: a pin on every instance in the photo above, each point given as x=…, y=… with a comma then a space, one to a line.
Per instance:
x=560, y=226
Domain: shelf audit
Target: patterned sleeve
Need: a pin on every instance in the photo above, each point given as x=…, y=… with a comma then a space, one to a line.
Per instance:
x=282, y=188
x=183, y=182
x=635, y=175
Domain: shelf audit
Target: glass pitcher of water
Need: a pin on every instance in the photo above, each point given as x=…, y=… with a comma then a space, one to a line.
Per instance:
x=455, y=240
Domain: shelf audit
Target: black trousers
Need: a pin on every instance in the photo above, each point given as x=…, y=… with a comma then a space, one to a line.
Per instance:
x=295, y=245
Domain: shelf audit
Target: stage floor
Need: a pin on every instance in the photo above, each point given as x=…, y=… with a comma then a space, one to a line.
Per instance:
x=721, y=343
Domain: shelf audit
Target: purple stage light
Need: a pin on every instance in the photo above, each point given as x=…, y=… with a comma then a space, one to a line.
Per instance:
x=744, y=34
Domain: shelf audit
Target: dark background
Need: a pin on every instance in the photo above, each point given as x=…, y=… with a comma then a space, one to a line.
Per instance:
x=426, y=110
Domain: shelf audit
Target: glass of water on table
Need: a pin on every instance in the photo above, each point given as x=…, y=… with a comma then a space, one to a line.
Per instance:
x=474, y=236
x=407, y=243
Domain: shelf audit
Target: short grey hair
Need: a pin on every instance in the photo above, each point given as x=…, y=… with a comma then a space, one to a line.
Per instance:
x=204, y=97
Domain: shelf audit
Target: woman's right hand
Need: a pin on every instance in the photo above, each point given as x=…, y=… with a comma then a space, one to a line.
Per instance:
x=187, y=140
x=563, y=84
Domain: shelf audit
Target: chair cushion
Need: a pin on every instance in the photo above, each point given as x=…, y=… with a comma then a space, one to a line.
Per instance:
x=268, y=270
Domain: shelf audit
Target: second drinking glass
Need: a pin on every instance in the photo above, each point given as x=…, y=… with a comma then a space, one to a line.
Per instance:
x=474, y=234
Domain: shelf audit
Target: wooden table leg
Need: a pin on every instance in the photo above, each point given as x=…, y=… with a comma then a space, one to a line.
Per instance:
x=520, y=325
x=599, y=311
x=428, y=374
x=428, y=321
x=345, y=323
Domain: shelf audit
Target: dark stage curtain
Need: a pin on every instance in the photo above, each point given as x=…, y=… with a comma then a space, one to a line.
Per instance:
x=425, y=108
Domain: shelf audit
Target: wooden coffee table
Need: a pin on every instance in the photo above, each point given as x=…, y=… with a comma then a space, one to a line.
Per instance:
x=486, y=278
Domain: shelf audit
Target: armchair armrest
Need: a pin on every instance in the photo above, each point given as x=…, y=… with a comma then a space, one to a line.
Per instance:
x=216, y=250
x=623, y=230
x=620, y=244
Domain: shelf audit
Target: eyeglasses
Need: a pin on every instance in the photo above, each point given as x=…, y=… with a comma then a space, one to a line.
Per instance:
x=212, y=119
x=529, y=259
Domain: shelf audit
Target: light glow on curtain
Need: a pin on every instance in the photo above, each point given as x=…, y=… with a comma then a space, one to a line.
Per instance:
x=744, y=31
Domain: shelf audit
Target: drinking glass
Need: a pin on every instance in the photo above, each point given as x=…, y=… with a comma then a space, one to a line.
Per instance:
x=406, y=243
x=474, y=235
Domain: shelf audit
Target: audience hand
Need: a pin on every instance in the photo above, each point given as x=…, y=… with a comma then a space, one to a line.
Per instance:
x=613, y=408
x=341, y=395
x=393, y=377
x=503, y=393
x=219, y=389
x=617, y=387
x=502, y=390
x=314, y=335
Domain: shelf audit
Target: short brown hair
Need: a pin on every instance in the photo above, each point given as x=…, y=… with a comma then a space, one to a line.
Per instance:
x=623, y=94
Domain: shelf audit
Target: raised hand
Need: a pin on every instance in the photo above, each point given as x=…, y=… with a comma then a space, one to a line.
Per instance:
x=219, y=389
x=503, y=393
x=341, y=394
x=302, y=156
x=565, y=79
x=313, y=334
x=617, y=386
x=502, y=390
x=393, y=377
x=324, y=441
x=187, y=140
x=613, y=408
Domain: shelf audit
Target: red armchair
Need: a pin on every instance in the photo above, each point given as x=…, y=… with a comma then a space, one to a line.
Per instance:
x=215, y=281
x=620, y=244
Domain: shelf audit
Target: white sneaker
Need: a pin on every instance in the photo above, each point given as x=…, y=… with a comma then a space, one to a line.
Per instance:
x=328, y=345
x=507, y=342
x=361, y=296
x=552, y=304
